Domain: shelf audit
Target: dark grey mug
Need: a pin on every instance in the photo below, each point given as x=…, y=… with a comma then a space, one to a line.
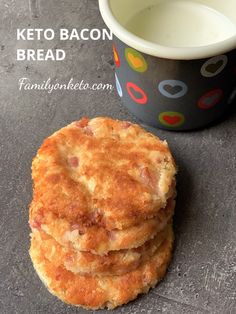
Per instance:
x=166, y=87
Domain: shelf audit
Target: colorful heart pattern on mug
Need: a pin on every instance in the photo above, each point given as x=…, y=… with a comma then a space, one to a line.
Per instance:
x=116, y=56
x=169, y=88
x=210, y=99
x=171, y=119
x=135, y=60
x=214, y=66
x=173, y=88
x=136, y=93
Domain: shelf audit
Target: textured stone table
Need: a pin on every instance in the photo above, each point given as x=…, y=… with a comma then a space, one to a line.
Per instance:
x=201, y=278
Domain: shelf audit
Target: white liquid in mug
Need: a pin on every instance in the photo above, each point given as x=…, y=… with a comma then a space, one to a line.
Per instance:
x=181, y=24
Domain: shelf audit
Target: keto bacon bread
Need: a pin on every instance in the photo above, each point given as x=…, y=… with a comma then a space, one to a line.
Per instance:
x=101, y=214
x=98, y=240
x=93, y=292
x=103, y=172
x=112, y=264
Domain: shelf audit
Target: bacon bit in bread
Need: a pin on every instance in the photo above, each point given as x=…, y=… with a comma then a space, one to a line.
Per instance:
x=70, y=258
x=37, y=221
x=74, y=227
x=88, y=131
x=58, y=277
x=79, y=228
x=96, y=217
x=35, y=224
x=82, y=123
x=73, y=162
x=112, y=235
x=126, y=124
x=147, y=178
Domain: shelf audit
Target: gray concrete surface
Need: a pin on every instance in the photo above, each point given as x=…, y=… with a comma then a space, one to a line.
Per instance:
x=201, y=278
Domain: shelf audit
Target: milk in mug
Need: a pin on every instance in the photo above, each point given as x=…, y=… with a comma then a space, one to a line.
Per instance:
x=181, y=24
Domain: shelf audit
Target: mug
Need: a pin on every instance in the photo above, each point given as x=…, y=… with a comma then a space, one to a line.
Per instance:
x=168, y=79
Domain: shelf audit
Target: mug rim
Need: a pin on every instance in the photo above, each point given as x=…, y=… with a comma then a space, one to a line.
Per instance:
x=161, y=51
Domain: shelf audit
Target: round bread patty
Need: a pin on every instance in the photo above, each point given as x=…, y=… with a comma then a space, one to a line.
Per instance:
x=93, y=292
x=98, y=240
x=114, y=263
x=103, y=172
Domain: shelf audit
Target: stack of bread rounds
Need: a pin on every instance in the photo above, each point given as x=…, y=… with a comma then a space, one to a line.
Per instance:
x=101, y=214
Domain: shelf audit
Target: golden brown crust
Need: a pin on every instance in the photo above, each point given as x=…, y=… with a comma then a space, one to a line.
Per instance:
x=103, y=172
x=94, y=292
x=114, y=263
x=96, y=239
